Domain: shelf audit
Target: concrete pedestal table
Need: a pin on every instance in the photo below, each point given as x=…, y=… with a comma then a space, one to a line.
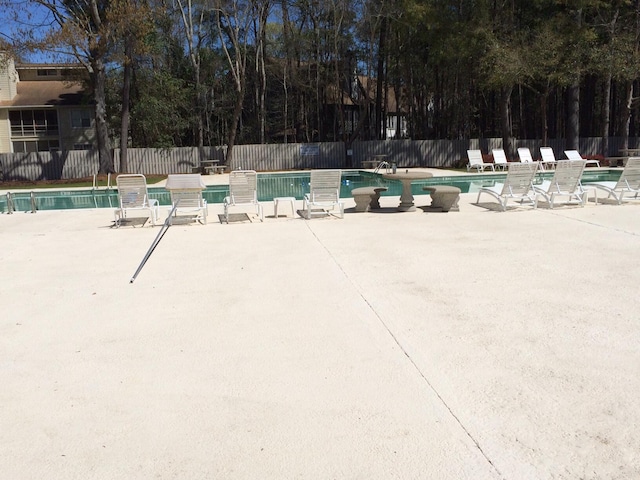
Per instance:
x=407, y=177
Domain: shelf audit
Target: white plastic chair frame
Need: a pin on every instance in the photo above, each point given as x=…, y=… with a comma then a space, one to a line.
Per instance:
x=548, y=158
x=518, y=186
x=476, y=161
x=243, y=191
x=628, y=183
x=499, y=159
x=574, y=155
x=134, y=196
x=565, y=183
x=324, y=192
x=186, y=191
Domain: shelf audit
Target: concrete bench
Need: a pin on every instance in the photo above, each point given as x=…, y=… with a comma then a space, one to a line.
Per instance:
x=369, y=163
x=443, y=198
x=209, y=169
x=367, y=197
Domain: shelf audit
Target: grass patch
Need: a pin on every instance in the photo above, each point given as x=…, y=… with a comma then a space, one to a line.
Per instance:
x=86, y=182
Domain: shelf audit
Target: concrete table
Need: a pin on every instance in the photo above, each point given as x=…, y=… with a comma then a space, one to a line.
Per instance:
x=407, y=177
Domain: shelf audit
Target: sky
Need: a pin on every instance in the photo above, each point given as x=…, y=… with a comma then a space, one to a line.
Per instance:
x=17, y=14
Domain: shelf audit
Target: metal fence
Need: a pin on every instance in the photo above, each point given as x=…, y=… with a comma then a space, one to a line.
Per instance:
x=292, y=156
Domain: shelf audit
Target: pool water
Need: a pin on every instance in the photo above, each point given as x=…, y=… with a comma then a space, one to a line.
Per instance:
x=270, y=185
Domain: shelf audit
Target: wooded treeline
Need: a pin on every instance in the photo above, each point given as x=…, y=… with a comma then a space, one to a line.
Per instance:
x=224, y=72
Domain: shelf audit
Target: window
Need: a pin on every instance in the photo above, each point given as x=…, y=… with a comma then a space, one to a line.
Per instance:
x=80, y=118
x=82, y=146
x=32, y=123
x=47, y=72
x=22, y=146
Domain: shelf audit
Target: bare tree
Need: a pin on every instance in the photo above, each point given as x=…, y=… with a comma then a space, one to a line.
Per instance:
x=233, y=19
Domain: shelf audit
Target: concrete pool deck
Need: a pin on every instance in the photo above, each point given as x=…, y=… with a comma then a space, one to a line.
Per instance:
x=469, y=345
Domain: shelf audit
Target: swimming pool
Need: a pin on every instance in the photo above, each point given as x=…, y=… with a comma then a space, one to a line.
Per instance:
x=270, y=185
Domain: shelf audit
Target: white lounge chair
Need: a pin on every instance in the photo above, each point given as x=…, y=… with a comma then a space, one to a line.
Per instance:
x=518, y=186
x=627, y=184
x=499, y=159
x=565, y=182
x=133, y=196
x=476, y=161
x=574, y=155
x=525, y=155
x=324, y=192
x=243, y=192
x=186, y=192
x=548, y=158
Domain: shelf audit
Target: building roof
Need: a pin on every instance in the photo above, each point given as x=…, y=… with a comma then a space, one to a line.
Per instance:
x=50, y=93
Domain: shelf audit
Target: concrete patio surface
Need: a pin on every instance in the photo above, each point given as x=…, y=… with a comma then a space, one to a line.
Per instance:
x=469, y=345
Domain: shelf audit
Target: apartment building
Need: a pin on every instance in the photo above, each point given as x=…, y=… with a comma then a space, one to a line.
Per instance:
x=43, y=107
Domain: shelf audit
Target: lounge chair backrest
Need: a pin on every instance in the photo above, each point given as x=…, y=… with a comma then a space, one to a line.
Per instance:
x=187, y=188
x=475, y=157
x=525, y=155
x=325, y=186
x=187, y=198
x=630, y=176
x=573, y=155
x=243, y=186
x=499, y=157
x=567, y=176
x=519, y=178
x=547, y=154
x=132, y=191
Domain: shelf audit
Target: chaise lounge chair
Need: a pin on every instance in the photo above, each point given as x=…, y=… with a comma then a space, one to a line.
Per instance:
x=499, y=159
x=243, y=192
x=574, y=155
x=186, y=195
x=565, y=182
x=548, y=158
x=133, y=196
x=525, y=155
x=518, y=186
x=476, y=161
x=628, y=183
x=324, y=192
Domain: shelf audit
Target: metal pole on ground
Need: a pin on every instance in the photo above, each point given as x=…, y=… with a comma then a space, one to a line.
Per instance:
x=163, y=230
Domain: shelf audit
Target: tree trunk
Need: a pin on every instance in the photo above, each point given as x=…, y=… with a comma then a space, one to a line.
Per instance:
x=505, y=121
x=380, y=80
x=573, y=120
x=237, y=112
x=625, y=115
x=606, y=114
x=126, y=94
x=102, y=132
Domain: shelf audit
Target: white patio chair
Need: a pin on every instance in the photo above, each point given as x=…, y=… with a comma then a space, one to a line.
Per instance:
x=524, y=154
x=548, y=158
x=243, y=192
x=186, y=192
x=574, y=155
x=565, y=183
x=476, y=161
x=499, y=159
x=324, y=193
x=133, y=196
x=518, y=186
x=628, y=183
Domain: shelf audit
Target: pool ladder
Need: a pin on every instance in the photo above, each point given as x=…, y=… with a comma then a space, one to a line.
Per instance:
x=385, y=164
x=12, y=208
x=96, y=187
